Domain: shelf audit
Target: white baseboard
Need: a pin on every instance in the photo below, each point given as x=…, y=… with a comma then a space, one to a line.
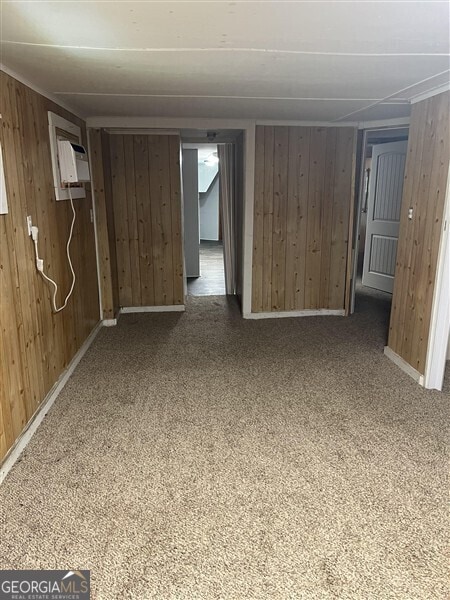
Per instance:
x=321, y=312
x=144, y=309
x=22, y=441
x=404, y=366
x=109, y=322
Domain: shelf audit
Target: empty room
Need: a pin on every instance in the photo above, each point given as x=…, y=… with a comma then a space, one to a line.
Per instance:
x=224, y=300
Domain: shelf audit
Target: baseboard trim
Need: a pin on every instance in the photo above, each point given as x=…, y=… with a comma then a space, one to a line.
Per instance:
x=26, y=435
x=109, y=322
x=403, y=365
x=145, y=309
x=321, y=312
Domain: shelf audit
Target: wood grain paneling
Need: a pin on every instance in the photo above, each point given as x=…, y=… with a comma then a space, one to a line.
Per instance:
x=426, y=174
x=35, y=344
x=102, y=188
x=146, y=190
x=304, y=183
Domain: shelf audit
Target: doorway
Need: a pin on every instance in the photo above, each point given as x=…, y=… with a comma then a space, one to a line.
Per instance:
x=205, y=272
x=212, y=199
x=382, y=166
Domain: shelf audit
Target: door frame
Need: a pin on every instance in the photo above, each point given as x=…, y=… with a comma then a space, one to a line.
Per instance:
x=366, y=131
x=234, y=142
x=438, y=339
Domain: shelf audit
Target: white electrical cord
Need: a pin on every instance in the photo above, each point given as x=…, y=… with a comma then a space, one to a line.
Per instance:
x=40, y=262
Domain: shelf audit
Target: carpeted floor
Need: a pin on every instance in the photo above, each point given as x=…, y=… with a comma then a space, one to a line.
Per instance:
x=198, y=456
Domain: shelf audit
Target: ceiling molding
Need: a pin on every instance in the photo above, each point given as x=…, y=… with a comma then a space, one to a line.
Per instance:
x=40, y=91
x=395, y=101
x=430, y=93
x=409, y=87
x=125, y=124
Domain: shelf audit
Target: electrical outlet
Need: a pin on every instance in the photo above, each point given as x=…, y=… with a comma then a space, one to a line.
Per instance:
x=29, y=224
x=92, y=215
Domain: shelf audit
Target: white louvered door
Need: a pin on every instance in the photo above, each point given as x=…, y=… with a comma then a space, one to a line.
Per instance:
x=383, y=215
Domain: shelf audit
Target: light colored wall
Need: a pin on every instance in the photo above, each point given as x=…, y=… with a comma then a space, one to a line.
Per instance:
x=209, y=212
x=191, y=213
x=206, y=173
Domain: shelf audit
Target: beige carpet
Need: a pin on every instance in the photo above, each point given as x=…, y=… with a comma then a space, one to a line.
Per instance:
x=200, y=457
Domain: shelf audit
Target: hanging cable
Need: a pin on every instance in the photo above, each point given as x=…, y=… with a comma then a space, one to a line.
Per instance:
x=40, y=262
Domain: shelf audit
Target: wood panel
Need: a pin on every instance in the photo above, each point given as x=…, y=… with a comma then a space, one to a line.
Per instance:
x=102, y=188
x=106, y=151
x=279, y=224
x=317, y=203
x=144, y=217
x=258, y=222
x=267, y=175
x=426, y=174
x=146, y=190
x=37, y=345
x=304, y=183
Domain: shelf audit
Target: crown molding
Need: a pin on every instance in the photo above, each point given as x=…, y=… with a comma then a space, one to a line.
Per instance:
x=430, y=93
x=40, y=91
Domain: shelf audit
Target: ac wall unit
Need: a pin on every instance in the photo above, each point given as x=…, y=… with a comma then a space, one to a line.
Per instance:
x=73, y=162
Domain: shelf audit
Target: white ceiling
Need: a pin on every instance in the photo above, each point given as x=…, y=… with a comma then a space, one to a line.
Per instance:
x=306, y=60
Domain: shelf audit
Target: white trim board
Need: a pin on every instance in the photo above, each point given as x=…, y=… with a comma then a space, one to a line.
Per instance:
x=26, y=435
x=147, y=309
x=40, y=91
x=384, y=123
x=404, y=366
x=3, y=191
x=440, y=312
x=109, y=322
x=430, y=93
x=248, y=216
x=154, y=124
x=94, y=215
x=321, y=312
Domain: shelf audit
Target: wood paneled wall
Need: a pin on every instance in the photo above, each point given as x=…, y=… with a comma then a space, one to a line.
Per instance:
x=146, y=189
x=424, y=190
x=99, y=146
x=35, y=344
x=304, y=187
